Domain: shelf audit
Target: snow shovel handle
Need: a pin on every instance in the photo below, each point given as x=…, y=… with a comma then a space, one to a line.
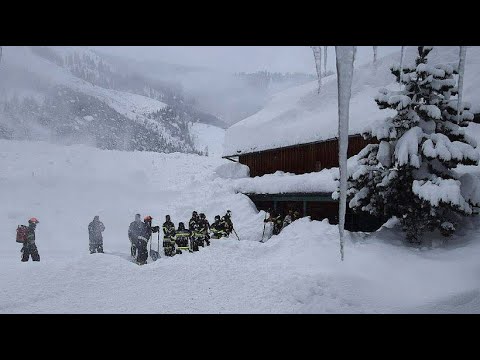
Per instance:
x=235, y=233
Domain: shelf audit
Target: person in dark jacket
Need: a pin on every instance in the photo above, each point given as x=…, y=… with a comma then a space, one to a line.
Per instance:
x=288, y=219
x=193, y=221
x=296, y=215
x=277, y=222
x=204, y=227
x=228, y=224
x=217, y=228
x=135, y=230
x=29, y=247
x=95, y=229
x=148, y=229
x=168, y=237
x=183, y=238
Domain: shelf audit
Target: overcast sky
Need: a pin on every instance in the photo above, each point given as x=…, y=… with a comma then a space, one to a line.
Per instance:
x=241, y=58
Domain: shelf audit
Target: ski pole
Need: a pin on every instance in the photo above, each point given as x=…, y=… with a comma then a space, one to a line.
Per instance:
x=158, y=242
x=235, y=233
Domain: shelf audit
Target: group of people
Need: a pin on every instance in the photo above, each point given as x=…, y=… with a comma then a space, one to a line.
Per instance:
x=278, y=222
x=199, y=233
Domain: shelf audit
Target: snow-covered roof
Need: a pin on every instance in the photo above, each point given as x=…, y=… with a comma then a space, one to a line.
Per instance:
x=324, y=181
x=300, y=115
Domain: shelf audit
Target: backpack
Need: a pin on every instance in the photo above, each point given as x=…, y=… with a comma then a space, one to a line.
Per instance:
x=22, y=232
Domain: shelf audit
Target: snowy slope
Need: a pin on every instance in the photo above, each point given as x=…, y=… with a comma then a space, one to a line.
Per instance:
x=26, y=74
x=208, y=137
x=300, y=115
x=296, y=272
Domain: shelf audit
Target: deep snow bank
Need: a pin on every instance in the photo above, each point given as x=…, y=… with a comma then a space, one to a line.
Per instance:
x=297, y=271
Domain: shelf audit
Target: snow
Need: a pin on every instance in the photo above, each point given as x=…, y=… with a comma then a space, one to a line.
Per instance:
x=233, y=170
x=439, y=146
x=384, y=154
x=296, y=272
x=210, y=137
x=324, y=181
x=281, y=183
x=441, y=190
x=300, y=115
x=406, y=149
x=470, y=188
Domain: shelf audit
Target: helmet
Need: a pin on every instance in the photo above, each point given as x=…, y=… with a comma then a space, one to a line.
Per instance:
x=33, y=221
x=202, y=216
x=194, y=214
x=229, y=212
x=181, y=226
x=217, y=217
x=137, y=217
x=167, y=217
x=148, y=218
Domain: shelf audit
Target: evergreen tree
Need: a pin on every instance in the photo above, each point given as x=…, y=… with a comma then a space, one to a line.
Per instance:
x=409, y=174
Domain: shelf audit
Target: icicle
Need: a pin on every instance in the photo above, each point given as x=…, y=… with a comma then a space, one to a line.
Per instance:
x=401, y=65
x=461, y=71
x=354, y=53
x=325, y=60
x=345, y=57
x=317, y=54
x=1, y=52
x=375, y=54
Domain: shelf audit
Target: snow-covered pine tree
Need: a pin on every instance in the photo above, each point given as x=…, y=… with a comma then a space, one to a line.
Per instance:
x=409, y=174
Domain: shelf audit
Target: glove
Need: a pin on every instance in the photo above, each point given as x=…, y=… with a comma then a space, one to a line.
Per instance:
x=155, y=229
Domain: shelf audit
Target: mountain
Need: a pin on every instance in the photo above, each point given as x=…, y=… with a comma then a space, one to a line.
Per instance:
x=300, y=114
x=73, y=95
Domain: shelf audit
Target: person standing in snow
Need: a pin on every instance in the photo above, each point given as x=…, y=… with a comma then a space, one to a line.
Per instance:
x=148, y=229
x=29, y=247
x=228, y=222
x=135, y=230
x=168, y=237
x=193, y=221
x=204, y=227
x=95, y=229
x=183, y=237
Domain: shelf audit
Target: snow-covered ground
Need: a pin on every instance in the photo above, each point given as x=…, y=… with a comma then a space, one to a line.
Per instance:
x=298, y=271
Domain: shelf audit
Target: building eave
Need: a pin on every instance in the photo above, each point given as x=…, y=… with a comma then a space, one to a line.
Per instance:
x=248, y=152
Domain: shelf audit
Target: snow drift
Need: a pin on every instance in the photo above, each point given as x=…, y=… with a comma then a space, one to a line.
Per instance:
x=298, y=271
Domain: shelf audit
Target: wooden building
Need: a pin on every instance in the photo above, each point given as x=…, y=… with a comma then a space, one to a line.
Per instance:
x=302, y=159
